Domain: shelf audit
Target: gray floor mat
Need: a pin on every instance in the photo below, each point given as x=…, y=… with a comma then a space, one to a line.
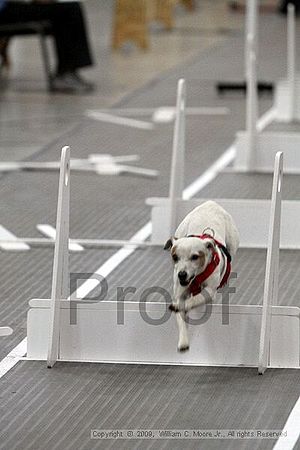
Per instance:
x=57, y=408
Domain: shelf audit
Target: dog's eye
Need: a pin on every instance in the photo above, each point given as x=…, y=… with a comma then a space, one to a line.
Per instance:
x=175, y=258
x=194, y=257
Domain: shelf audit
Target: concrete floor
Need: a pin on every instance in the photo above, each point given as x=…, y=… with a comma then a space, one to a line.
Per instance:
x=57, y=409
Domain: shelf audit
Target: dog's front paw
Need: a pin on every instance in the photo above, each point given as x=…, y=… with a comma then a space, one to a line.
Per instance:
x=183, y=348
x=174, y=308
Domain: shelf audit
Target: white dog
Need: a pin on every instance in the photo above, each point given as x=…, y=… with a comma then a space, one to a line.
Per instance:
x=201, y=250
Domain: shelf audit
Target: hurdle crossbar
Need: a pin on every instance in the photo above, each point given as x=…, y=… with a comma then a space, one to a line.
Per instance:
x=90, y=243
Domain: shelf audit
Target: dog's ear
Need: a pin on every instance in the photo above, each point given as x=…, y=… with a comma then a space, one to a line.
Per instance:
x=210, y=244
x=168, y=244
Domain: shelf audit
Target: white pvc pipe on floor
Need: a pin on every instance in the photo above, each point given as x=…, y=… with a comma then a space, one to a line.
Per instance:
x=90, y=243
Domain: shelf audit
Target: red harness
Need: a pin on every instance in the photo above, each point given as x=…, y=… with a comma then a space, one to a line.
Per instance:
x=196, y=285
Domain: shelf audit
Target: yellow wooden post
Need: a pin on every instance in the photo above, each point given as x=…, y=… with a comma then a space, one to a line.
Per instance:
x=130, y=23
x=164, y=12
x=189, y=4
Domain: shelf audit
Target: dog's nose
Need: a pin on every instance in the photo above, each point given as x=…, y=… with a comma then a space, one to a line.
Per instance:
x=182, y=275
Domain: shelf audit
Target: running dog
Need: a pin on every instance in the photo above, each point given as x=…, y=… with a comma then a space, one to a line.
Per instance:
x=201, y=250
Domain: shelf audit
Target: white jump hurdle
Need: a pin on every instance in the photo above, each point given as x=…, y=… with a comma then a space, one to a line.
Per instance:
x=255, y=150
x=287, y=104
x=259, y=223
x=260, y=336
x=252, y=216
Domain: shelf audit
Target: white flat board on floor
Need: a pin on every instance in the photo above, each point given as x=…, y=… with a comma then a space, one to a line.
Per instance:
x=5, y=331
x=98, y=337
x=8, y=236
x=251, y=217
x=166, y=114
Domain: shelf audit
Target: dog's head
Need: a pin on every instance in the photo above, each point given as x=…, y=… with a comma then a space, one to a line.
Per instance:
x=190, y=256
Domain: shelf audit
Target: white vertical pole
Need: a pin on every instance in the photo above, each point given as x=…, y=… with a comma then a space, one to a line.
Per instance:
x=251, y=82
x=178, y=155
x=291, y=61
x=272, y=265
x=61, y=257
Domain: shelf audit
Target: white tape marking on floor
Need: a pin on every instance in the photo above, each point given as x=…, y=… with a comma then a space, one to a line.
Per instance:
x=291, y=429
x=114, y=261
x=103, y=117
x=50, y=232
x=8, y=236
x=210, y=174
x=13, y=357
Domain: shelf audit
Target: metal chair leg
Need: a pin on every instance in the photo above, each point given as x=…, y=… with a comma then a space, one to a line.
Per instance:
x=46, y=59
